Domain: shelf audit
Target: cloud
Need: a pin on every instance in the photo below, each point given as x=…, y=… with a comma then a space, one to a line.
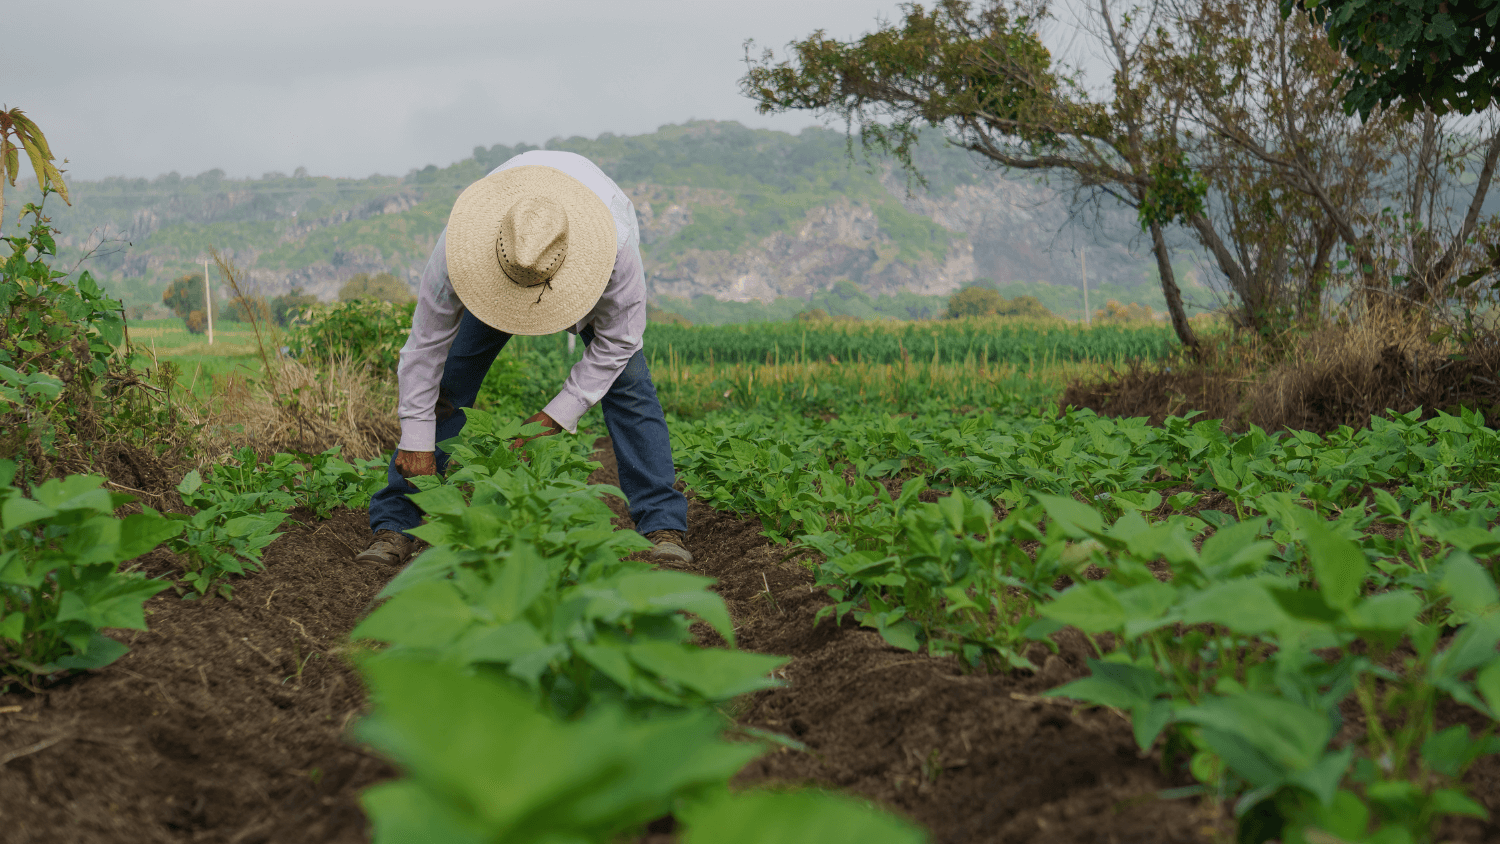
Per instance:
x=351, y=88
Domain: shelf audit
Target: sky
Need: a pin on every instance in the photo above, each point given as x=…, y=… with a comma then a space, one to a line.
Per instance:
x=356, y=87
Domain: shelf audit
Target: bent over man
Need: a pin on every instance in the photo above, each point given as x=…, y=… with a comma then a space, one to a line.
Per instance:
x=545, y=243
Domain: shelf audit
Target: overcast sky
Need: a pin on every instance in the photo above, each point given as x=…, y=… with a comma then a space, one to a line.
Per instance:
x=354, y=87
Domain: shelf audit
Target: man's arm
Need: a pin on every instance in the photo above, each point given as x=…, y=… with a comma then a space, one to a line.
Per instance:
x=619, y=322
x=433, y=327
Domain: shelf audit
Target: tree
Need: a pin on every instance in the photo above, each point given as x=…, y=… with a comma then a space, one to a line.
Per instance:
x=1299, y=176
x=982, y=76
x=1117, y=314
x=283, y=307
x=974, y=301
x=185, y=294
x=1225, y=118
x=1435, y=55
x=383, y=287
x=248, y=309
x=978, y=299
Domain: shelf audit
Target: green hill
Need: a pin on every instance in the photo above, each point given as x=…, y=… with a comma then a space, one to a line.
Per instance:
x=738, y=214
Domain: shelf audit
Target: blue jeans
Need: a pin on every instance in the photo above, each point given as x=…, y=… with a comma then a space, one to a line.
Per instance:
x=637, y=427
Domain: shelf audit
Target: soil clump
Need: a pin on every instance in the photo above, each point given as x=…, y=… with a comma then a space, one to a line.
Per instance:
x=1332, y=379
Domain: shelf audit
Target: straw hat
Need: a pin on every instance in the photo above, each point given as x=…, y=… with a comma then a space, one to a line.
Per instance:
x=530, y=249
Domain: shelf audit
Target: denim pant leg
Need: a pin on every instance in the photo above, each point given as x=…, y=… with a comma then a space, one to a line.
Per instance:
x=469, y=359
x=643, y=448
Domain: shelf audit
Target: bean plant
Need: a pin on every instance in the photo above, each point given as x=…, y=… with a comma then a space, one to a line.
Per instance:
x=60, y=579
x=1351, y=569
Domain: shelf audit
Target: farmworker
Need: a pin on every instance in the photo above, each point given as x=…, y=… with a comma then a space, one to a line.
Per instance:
x=545, y=243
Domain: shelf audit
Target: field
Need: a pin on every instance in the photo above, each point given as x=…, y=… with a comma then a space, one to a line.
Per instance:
x=925, y=605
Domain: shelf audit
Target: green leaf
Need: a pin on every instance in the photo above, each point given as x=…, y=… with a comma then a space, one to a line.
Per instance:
x=404, y=812
x=1117, y=684
x=19, y=512
x=757, y=817
x=1077, y=519
x=1090, y=606
x=142, y=532
x=1244, y=606
x=501, y=644
x=100, y=651
x=13, y=626
x=1339, y=564
x=1388, y=612
x=431, y=615
x=444, y=500
x=714, y=673
x=1469, y=587
x=1451, y=801
x=191, y=483
x=672, y=590
x=1290, y=736
x=901, y=634
x=1487, y=683
x=1148, y=720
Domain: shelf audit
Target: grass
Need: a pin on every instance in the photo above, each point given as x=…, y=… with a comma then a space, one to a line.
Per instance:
x=201, y=366
x=689, y=389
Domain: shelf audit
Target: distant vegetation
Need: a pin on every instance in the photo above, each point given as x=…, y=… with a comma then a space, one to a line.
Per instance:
x=730, y=185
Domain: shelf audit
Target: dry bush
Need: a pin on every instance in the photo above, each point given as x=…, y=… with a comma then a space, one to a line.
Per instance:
x=294, y=407
x=1334, y=375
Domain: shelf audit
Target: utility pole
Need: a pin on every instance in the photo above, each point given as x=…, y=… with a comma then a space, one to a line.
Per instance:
x=1085, y=256
x=208, y=303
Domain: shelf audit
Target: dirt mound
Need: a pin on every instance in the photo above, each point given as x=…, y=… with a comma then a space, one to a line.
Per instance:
x=1333, y=380
x=970, y=757
x=224, y=723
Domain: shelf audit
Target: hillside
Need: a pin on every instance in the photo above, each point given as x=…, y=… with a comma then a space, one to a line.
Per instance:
x=725, y=211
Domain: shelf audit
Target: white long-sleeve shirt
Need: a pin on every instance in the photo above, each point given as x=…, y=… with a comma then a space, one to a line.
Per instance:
x=618, y=318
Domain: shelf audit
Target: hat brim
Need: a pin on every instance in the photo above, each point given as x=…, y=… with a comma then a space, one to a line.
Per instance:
x=474, y=267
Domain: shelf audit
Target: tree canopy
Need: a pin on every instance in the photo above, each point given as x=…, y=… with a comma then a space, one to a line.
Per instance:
x=184, y=295
x=1436, y=54
x=381, y=286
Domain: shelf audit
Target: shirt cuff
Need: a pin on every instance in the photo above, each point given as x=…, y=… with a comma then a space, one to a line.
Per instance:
x=566, y=410
x=419, y=434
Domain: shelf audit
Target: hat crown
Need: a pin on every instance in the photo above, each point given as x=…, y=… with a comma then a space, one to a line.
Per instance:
x=533, y=240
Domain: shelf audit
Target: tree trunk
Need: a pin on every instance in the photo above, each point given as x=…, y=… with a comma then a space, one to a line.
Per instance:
x=1173, y=293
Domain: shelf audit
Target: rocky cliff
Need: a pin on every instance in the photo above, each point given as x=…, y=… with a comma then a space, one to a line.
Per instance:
x=724, y=211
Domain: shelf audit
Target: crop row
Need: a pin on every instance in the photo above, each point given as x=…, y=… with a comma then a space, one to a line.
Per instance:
x=375, y=331
x=62, y=547
x=887, y=343
x=536, y=683
x=1356, y=567
x=533, y=681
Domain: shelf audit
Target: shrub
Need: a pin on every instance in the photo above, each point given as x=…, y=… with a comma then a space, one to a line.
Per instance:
x=1117, y=314
x=383, y=287
x=248, y=309
x=60, y=582
x=366, y=331
x=184, y=295
x=286, y=306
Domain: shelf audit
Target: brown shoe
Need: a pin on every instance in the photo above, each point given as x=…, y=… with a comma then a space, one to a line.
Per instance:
x=388, y=548
x=671, y=546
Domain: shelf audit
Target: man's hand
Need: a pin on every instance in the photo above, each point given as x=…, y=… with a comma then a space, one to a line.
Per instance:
x=413, y=463
x=552, y=428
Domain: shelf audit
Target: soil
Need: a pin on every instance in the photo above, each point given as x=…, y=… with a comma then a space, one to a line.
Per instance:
x=227, y=721
x=971, y=757
x=1331, y=389
x=224, y=723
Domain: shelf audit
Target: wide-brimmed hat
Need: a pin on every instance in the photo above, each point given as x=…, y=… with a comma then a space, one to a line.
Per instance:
x=530, y=249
